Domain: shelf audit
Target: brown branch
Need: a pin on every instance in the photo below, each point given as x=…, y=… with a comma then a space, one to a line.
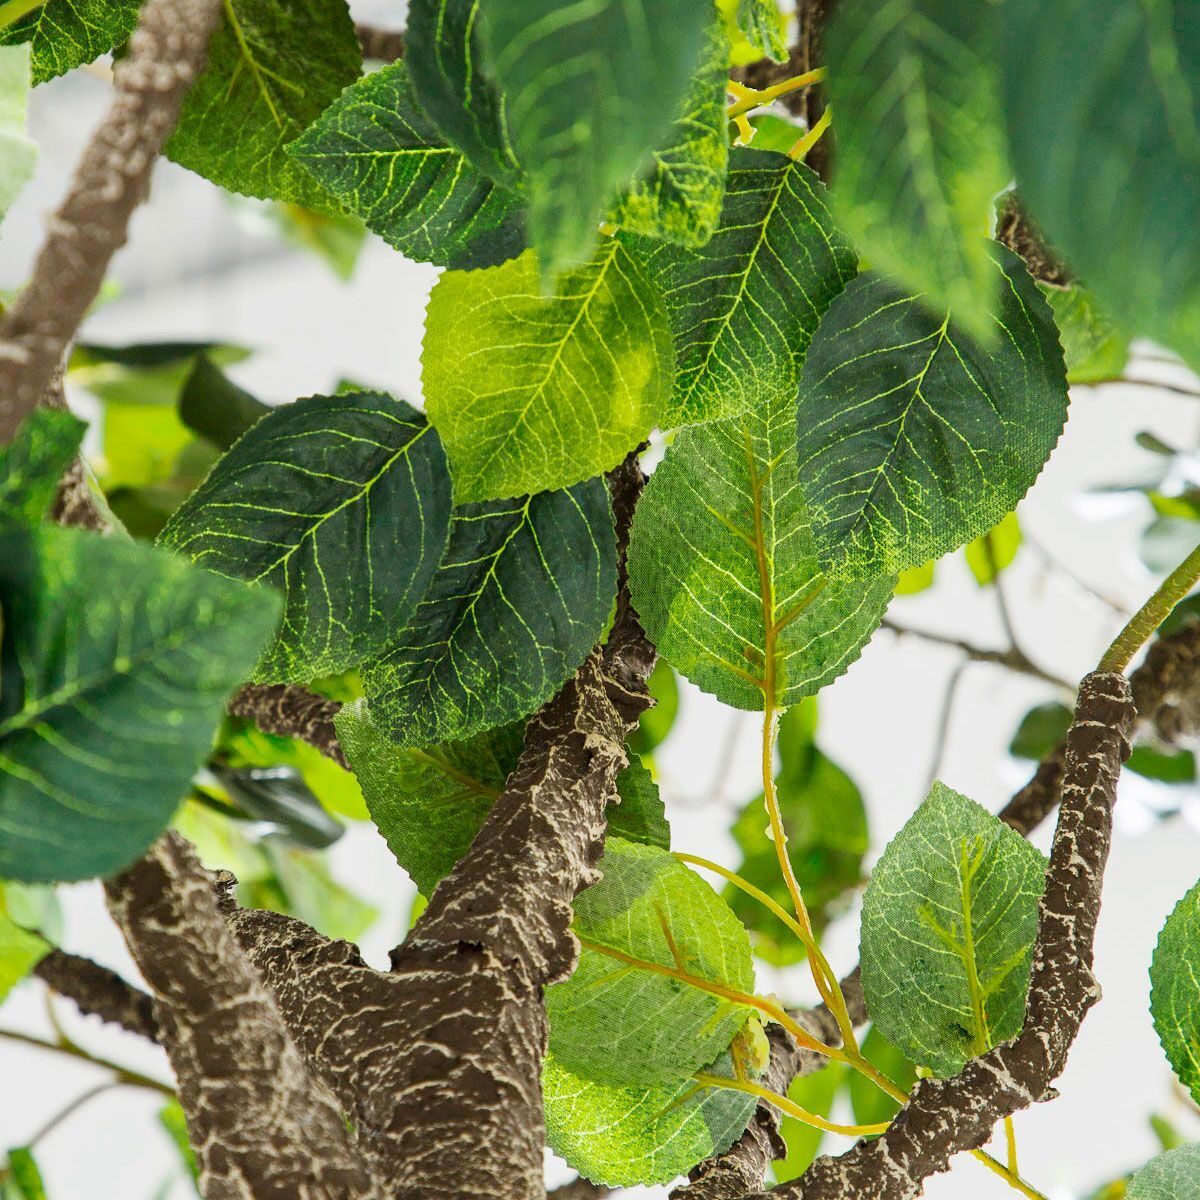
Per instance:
x=1016, y=230
x=382, y=45
x=166, y=53
x=98, y=992
x=947, y=1116
x=291, y=711
x=261, y=1126
x=579, y=1189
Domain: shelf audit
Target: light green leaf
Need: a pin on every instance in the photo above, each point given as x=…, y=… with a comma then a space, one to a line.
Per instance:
x=33, y=463
x=826, y=825
x=1174, y=996
x=26, y=1176
x=1171, y=1176
x=20, y=950
x=990, y=554
x=679, y=197
x=914, y=437
x=337, y=239
x=920, y=158
x=870, y=1104
x=814, y=1093
x=720, y=526
x=378, y=153
x=454, y=85
x=949, y=921
x=1118, y=192
x=744, y=307
x=531, y=393
x=1094, y=349
x=625, y=1136
x=117, y=663
x=325, y=490
x=617, y=1023
x=64, y=34
x=764, y=27
x=590, y=90
x=18, y=152
x=273, y=67
x=522, y=594
x=301, y=884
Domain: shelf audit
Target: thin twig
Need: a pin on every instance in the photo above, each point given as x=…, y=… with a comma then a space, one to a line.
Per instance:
x=97, y=991
x=122, y=1074
x=68, y=1111
x=943, y=725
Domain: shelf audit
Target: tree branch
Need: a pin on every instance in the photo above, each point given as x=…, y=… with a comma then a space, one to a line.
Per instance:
x=382, y=45
x=96, y=991
x=261, y=1126
x=291, y=711
x=167, y=52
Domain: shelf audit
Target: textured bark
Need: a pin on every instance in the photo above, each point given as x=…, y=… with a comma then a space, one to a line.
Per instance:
x=945, y=1117
x=1015, y=229
x=98, y=992
x=291, y=711
x=578, y=1189
x=812, y=16
x=262, y=1127
x=381, y=45
x=1166, y=687
x=166, y=53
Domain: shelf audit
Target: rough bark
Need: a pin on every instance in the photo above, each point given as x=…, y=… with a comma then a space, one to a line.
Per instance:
x=166, y=53
x=945, y=1117
x=291, y=711
x=578, y=1189
x=98, y=992
x=381, y=45
x=1017, y=231
x=261, y=1126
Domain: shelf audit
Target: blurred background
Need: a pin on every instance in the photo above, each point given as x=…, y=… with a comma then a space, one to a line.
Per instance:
x=293, y=305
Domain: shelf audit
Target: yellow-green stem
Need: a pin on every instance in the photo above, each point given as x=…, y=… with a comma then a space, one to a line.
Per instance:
x=813, y=136
x=11, y=11
x=790, y=1107
x=751, y=98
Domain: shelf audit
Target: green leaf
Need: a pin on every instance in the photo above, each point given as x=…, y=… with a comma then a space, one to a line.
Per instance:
x=949, y=921
x=1040, y=730
x=1174, y=997
x=914, y=437
x=990, y=554
x=773, y=132
x=531, y=393
x=20, y=950
x=117, y=661
x=764, y=27
x=1171, y=1176
x=173, y=1121
x=32, y=464
x=273, y=67
x=870, y=1104
x=378, y=153
x=1094, y=349
x=814, y=1093
x=921, y=155
x=743, y=308
x=428, y=803
x=213, y=406
x=18, y=152
x=679, y=196
x=1117, y=192
x=617, y=1023
x=722, y=524
x=625, y=1136
x=302, y=885
x=25, y=1174
x=916, y=579
x=640, y=816
x=590, y=90
x=659, y=719
x=64, y=34
x=522, y=594
x=1171, y=767
x=325, y=490
x=826, y=825
x=454, y=85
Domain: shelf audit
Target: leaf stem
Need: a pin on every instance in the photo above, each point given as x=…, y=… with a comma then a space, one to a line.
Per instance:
x=743, y=885
x=751, y=98
x=1152, y=614
x=787, y=1106
x=122, y=1074
x=813, y=136
x=1010, y=1140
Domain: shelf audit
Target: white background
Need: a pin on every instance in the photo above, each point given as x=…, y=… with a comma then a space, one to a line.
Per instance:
x=198, y=269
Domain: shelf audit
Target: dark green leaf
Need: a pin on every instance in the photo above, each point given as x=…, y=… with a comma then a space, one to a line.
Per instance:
x=590, y=90
x=1174, y=997
x=327, y=489
x=744, y=307
x=920, y=145
x=721, y=527
x=531, y=392
x=1041, y=729
x=1176, y=767
x=679, y=197
x=1116, y=188
x=617, y=1023
x=64, y=34
x=32, y=464
x=454, y=84
x=640, y=816
x=273, y=67
x=381, y=157
x=212, y=405
x=949, y=920
x=1171, y=1176
x=522, y=594
x=914, y=437
x=117, y=661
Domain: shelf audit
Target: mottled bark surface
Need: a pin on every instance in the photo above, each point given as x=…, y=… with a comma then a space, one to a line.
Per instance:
x=291, y=711
x=98, y=992
x=166, y=53
x=380, y=45
x=262, y=1127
